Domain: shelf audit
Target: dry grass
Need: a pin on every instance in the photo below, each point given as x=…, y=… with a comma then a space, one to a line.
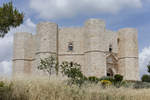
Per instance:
x=34, y=88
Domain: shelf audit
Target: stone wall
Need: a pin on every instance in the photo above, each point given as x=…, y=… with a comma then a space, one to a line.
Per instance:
x=75, y=36
x=90, y=48
x=111, y=39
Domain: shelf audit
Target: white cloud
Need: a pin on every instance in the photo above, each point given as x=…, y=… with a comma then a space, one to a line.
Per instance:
x=6, y=48
x=29, y=23
x=52, y=9
x=144, y=59
x=6, y=45
x=5, y=68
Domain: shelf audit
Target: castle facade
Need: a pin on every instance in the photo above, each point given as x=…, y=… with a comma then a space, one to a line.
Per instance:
x=100, y=52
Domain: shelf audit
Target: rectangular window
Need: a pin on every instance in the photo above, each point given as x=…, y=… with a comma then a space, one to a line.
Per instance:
x=70, y=46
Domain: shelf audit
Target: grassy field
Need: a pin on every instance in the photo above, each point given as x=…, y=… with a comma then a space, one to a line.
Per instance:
x=23, y=88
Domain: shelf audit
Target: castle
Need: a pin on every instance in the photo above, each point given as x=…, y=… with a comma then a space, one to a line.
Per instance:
x=100, y=52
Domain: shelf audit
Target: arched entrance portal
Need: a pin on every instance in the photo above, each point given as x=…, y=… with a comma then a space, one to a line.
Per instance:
x=112, y=66
x=110, y=72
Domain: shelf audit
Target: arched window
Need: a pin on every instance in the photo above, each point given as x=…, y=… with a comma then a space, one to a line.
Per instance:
x=110, y=48
x=70, y=46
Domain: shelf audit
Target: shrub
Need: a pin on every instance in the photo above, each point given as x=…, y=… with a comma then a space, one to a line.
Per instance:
x=93, y=79
x=105, y=83
x=146, y=78
x=118, y=78
x=109, y=78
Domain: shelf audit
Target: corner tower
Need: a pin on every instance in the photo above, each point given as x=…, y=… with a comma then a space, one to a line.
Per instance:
x=95, y=58
x=22, y=54
x=128, y=53
x=46, y=41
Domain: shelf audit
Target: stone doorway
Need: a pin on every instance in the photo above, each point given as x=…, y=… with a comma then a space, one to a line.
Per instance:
x=112, y=65
x=110, y=72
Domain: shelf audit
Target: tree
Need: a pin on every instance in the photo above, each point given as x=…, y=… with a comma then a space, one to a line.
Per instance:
x=49, y=65
x=9, y=17
x=145, y=77
x=148, y=68
x=73, y=71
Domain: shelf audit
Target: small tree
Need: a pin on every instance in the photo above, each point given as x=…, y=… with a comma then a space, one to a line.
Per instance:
x=73, y=71
x=148, y=68
x=9, y=17
x=145, y=77
x=48, y=65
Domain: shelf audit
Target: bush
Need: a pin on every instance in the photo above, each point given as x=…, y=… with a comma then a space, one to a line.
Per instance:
x=109, y=78
x=105, y=83
x=118, y=78
x=93, y=79
x=146, y=78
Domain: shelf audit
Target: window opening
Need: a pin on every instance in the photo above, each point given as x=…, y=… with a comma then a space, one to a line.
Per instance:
x=110, y=48
x=70, y=46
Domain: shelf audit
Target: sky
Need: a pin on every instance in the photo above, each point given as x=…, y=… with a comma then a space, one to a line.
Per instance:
x=73, y=13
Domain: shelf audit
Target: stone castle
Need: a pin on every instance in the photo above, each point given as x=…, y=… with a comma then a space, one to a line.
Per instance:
x=100, y=52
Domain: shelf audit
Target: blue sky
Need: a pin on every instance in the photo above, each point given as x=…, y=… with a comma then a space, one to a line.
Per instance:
x=117, y=14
